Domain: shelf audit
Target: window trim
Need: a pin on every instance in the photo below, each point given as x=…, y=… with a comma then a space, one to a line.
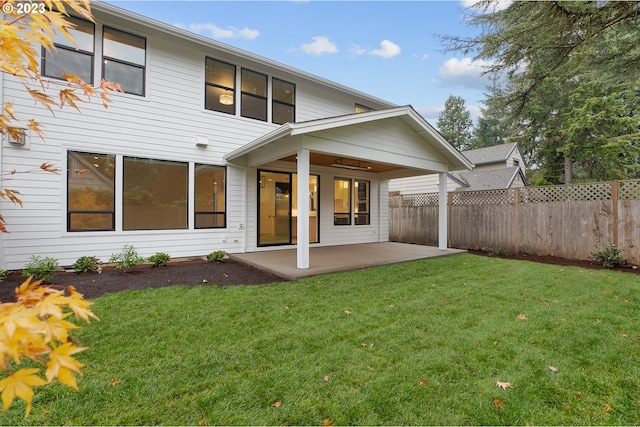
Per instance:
x=186, y=192
x=349, y=204
x=196, y=212
x=81, y=212
x=92, y=54
x=264, y=98
x=130, y=64
x=367, y=213
x=231, y=89
x=274, y=101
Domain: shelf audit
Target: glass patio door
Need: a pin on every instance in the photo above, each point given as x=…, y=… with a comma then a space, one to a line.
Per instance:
x=277, y=208
x=274, y=209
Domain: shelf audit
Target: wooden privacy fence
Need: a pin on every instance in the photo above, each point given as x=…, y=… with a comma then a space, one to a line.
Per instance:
x=569, y=221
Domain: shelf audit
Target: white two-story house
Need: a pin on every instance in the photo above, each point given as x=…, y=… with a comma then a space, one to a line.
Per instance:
x=209, y=148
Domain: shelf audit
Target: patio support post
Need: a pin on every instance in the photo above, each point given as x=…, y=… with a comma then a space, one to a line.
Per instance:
x=302, y=245
x=442, y=212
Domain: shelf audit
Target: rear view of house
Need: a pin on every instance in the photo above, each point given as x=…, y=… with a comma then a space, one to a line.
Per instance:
x=209, y=148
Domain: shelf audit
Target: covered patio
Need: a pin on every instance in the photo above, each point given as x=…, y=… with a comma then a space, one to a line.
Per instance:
x=332, y=259
x=374, y=146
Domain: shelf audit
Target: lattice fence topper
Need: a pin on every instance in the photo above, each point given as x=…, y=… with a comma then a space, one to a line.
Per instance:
x=566, y=193
x=416, y=200
x=629, y=190
x=483, y=197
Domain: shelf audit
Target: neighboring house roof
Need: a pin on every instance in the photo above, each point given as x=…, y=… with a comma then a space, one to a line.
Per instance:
x=493, y=154
x=422, y=128
x=489, y=179
x=100, y=6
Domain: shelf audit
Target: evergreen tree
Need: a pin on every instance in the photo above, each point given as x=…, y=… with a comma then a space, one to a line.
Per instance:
x=454, y=123
x=573, y=71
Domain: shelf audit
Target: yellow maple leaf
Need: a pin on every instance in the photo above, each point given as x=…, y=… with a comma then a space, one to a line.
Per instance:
x=20, y=384
x=79, y=305
x=62, y=366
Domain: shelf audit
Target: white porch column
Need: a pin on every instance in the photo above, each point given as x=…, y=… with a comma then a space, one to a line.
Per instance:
x=302, y=246
x=442, y=212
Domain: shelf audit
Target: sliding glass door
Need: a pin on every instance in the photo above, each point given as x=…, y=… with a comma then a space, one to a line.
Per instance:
x=277, y=208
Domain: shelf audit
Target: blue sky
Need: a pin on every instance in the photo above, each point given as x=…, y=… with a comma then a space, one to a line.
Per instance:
x=388, y=49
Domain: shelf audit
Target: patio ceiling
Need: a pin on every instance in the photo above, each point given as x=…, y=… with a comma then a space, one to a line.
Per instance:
x=320, y=159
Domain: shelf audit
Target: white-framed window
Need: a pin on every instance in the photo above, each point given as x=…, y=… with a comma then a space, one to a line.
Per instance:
x=124, y=60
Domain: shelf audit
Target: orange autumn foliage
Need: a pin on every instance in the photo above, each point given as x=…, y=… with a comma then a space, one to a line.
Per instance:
x=36, y=327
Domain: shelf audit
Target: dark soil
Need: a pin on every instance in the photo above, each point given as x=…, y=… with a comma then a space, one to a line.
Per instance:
x=200, y=272
x=548, y=259
x=176, y=273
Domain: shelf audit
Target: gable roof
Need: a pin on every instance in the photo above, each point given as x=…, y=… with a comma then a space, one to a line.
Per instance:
x=493, y=154
x=489, y=179
x=407, y=114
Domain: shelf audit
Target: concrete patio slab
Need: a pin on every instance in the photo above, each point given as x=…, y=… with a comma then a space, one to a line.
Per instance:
x=330, y=259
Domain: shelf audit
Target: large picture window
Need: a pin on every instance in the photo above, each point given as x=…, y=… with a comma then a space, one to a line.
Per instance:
x=154, y=194
x=90, y=192
x=220, y=86
x=283, y=102
x=362, y=202
x=124, y=59
x=69, y=58
x=210, y=209
x=254, y=95
x=341, y=201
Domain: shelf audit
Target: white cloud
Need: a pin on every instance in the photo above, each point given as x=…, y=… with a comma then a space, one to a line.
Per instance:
x=319, y=46
x=464, y=72
x=213, y=31
x=388, y=49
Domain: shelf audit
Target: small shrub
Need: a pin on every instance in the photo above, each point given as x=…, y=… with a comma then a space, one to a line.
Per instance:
x=127, y=258
x=3, y=275
x=216, y=256
x=88, y=264
x=41, y=268
x=159, y=259
x=610, y=257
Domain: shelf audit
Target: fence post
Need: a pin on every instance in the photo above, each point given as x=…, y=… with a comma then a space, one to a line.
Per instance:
x=615, y=194
x=516, y=218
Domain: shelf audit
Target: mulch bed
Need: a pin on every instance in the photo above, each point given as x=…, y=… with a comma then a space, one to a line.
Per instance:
x=548, y=259
x=200, y=272
x=176, y=273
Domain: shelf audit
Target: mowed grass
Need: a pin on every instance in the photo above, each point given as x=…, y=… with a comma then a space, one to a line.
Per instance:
x=419, y=343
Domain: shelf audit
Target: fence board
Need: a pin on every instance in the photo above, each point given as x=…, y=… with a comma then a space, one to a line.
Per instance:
x=569, y=221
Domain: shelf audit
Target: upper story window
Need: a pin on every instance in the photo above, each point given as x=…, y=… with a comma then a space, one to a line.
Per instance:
x=254, y=95
x=124, y=59
x=283, y=105
x=70, y=59
x=220, y=86
x=362, y=109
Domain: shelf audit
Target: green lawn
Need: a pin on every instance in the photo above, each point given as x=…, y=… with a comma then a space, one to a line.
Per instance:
x=420, y=343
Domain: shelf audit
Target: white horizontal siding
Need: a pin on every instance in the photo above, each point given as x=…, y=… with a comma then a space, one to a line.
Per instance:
x=420, y=184
x=161, y=125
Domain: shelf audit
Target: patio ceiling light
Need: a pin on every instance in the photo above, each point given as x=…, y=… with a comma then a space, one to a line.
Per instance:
x=338, y=164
